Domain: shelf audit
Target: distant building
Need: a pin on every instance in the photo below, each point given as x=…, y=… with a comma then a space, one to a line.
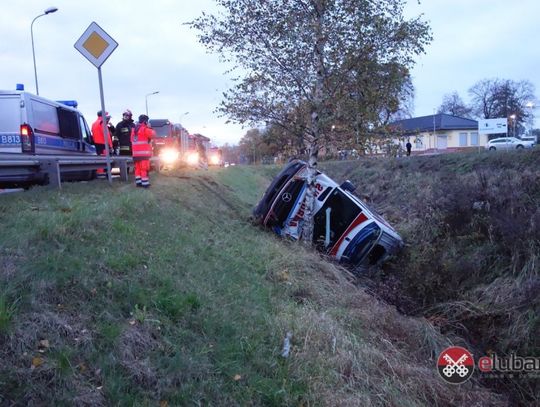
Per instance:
x=440, y=133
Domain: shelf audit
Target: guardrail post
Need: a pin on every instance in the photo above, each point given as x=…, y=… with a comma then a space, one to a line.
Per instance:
x=52, y=168
x=122, y=164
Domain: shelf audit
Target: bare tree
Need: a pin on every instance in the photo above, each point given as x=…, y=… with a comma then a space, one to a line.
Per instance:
x=494, y=98
x=454, y=105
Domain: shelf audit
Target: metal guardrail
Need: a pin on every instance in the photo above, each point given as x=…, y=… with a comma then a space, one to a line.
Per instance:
x=33, y=167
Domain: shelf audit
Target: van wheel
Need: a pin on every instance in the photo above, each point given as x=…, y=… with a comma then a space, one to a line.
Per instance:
x=492, y=149
x=348, y=186
x=519, y=147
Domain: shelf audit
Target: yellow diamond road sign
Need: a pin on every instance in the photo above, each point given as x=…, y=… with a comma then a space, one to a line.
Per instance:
x=96, y=45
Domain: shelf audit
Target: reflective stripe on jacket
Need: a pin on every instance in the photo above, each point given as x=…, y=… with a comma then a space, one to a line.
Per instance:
x=141, y=137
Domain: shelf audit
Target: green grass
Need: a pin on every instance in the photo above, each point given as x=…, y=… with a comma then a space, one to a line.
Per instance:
x=170, y=294
x=7, y=309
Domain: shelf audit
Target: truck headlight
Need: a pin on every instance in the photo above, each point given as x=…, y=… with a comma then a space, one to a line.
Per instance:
x=192, y=158
x=169, y=155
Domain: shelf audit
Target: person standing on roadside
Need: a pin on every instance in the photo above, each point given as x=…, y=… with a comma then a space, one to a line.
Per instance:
x=141, y=139
x=112, y=130
x=408, y=146
x=123, y=133
x=99, y=140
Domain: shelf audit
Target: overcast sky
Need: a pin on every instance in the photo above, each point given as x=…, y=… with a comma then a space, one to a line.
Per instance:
x=473, y=40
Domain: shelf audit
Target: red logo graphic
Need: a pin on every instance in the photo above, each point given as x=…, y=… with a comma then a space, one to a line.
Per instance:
x=455, y=365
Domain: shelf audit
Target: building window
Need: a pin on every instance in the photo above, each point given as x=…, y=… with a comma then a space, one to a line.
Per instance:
x=462, y=139
x=474, y=138
x=419, y=142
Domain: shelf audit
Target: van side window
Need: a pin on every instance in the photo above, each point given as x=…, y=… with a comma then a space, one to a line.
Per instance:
x=45, y=118
x=86, y=134
x=10, y=113
x=69, y=125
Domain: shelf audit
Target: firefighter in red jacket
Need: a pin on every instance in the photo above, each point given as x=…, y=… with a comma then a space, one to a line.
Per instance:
x=99, y=139
x=141, y=138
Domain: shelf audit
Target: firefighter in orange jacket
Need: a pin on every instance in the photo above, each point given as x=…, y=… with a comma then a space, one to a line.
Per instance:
x=99, y=139
x=141, y=138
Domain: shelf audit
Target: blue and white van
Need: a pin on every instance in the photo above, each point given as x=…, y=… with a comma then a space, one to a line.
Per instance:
x=31, y=124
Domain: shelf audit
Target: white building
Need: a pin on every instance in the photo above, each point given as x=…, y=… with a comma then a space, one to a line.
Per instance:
x=440, y=133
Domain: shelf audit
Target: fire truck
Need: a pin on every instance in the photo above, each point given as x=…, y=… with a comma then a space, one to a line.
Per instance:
x=215, y=156
x=198, y=146
x=170, y=142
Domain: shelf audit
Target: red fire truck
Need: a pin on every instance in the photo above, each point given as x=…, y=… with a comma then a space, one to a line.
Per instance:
x=167, y=143
x=215, y=156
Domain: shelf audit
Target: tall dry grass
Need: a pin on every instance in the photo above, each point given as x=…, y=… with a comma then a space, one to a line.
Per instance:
x=471, y=224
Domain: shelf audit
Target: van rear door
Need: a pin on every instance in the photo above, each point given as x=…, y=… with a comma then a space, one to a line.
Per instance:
x=10, y=123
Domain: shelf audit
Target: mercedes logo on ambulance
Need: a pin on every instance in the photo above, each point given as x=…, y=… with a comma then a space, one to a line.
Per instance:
x=286, y=197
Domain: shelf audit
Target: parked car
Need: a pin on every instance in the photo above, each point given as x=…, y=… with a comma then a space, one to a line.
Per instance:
x=528, y=138
x=508, y=143
x=345, y=228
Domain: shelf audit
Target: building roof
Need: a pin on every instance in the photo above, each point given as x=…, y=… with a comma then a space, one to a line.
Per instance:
x=437, y=122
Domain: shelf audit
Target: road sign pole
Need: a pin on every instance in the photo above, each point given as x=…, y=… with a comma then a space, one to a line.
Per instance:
x=96, y=46
x=105, y=128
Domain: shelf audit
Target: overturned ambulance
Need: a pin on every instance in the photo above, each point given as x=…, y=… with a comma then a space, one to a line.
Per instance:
x=344, y=227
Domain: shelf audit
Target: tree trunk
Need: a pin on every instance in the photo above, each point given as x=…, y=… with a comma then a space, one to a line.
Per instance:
x=317, y=107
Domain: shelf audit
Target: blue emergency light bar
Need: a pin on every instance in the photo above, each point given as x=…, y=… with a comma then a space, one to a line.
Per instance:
x=71, y=103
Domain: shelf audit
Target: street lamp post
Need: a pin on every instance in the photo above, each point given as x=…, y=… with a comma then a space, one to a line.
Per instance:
x=146, y=99
x=530, y=105
x=513, y=117
x=47, y=11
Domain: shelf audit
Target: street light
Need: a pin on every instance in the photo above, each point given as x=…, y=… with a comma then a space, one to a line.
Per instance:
x=146, y=99
x=47, y=11
x=530, y=105
x=513, y=117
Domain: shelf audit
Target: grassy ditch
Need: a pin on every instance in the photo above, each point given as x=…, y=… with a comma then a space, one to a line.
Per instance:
x=471, y=223
x=122, y=296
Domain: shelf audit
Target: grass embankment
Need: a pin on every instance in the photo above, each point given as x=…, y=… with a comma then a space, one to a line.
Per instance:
x=122, y=296
x=471, y=223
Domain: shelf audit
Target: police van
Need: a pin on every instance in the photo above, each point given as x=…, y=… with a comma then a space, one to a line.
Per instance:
x=31, y=124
